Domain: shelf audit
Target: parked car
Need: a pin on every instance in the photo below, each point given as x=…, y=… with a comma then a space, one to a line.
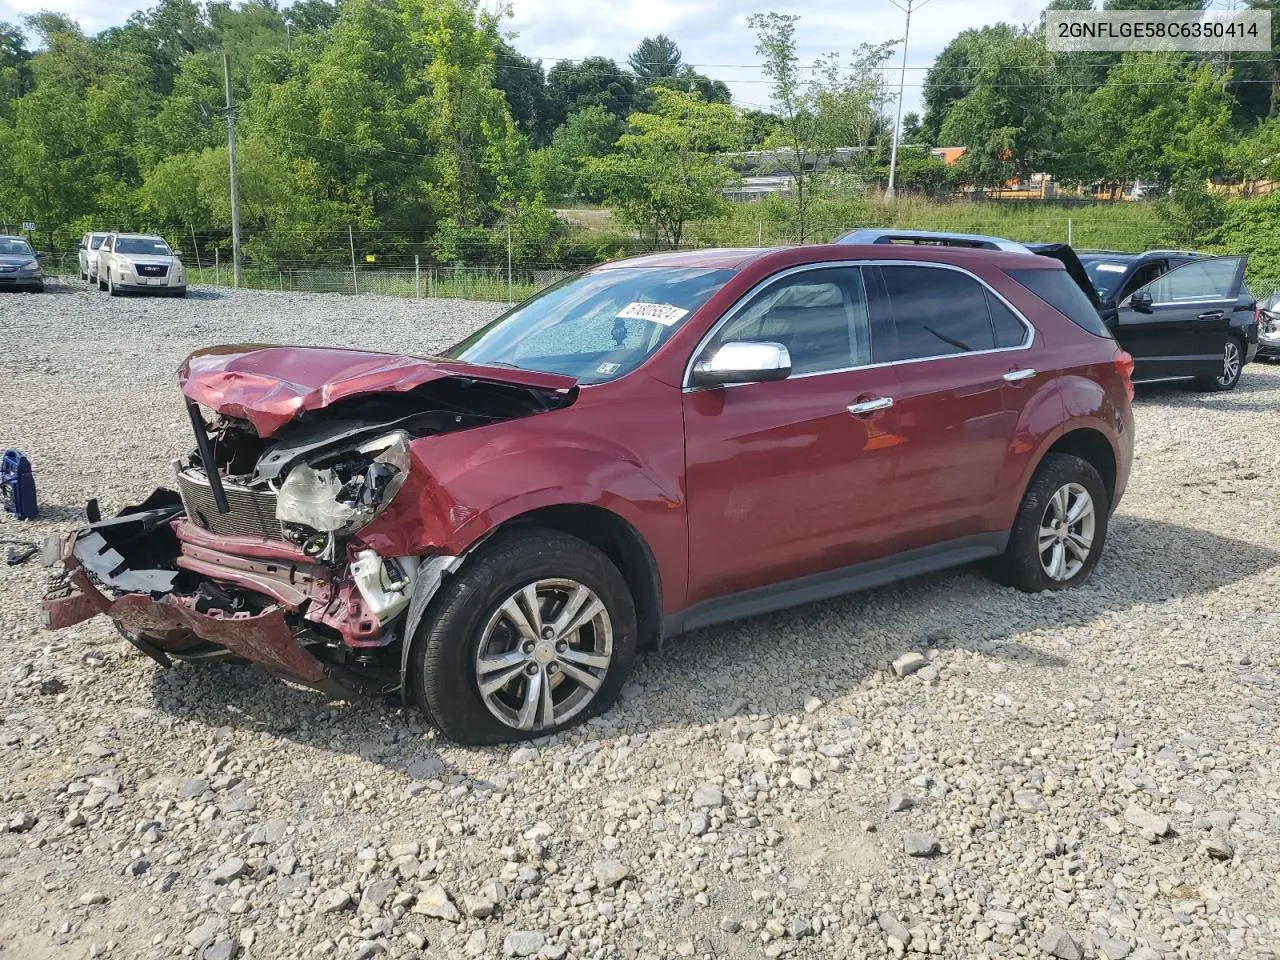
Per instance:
x=19, y=266
x=137, y=263
x=1269, y=328
x=1179, y=314
x=646, y=447
x=88, y=256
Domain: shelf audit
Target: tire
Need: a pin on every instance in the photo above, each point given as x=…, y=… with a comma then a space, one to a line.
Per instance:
x=102, y=284
x=469, y=613
x=1233, y=348
x=1023, y=565
x=112, y=291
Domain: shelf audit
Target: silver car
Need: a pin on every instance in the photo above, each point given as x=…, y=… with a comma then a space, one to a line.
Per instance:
x=19, y=266
x=139, y=263
x=88, y=255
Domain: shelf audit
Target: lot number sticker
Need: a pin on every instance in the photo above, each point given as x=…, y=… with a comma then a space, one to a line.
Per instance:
x=663, y=313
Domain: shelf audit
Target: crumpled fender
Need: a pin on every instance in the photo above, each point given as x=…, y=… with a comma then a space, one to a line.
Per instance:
x=457, y=491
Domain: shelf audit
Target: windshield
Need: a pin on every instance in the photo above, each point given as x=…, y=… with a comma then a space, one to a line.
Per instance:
x=14, y=247
x=1106, y=275
x=594, y=326
x=96, y=242
x=145, y=245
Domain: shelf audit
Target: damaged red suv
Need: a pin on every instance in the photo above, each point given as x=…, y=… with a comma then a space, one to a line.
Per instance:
x=651, y=446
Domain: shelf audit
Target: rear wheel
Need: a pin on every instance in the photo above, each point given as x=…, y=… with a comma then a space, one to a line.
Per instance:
x=1060, y=528
x=536, y=633
x=1232, y=365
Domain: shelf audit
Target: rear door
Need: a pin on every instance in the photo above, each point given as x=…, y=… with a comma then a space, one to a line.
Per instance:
x=964, y=372
x=1182, y=330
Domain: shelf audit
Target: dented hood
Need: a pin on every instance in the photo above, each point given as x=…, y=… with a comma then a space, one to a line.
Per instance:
x=270, y=385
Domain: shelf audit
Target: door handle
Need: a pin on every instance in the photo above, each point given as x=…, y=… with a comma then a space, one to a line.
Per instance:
x=1211, y=315
x=1017, y=376
x=864, y=407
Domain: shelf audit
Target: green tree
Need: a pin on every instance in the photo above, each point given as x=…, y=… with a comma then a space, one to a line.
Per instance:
x=15, y=70
x=523, y=83
x=1008, y=120
x=665, y=172
x=312, y=16
x=481, y=159
x=1159, y=117
x=595, y=81
x=559, y=169
x=794, y=137
x=655, y=58
x=953, y=74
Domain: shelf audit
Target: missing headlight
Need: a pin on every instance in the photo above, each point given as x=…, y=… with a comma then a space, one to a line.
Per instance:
x=343, y=491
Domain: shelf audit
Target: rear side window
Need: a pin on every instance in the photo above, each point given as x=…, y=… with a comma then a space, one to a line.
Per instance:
x=936, y=312
x=1008, y=328
x=1058, y=290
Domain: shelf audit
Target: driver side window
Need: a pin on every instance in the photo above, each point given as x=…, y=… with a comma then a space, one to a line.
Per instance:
x=1212, y=278
x=820, y=316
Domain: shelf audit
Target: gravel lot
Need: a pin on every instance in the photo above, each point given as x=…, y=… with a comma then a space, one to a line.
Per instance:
x=1089, y=774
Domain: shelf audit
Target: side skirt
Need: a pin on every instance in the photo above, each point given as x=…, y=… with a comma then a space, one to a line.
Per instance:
x=834, y=583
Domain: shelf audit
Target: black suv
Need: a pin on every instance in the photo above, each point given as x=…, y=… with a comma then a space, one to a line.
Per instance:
x=1179, y=314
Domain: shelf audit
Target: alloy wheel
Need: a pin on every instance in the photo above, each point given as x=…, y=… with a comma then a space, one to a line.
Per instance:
x=1066, y=532
x=1230, y=364
x=544, y=654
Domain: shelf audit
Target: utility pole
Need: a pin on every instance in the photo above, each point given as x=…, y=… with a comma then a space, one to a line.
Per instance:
x=230, y=114
x=910, y=7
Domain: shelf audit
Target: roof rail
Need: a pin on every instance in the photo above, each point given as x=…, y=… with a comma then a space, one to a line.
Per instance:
x=887, y=235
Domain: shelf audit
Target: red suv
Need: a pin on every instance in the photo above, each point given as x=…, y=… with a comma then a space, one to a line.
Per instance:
x=650, y=446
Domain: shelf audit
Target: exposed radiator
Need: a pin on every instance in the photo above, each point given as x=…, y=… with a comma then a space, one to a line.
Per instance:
x=253, y=512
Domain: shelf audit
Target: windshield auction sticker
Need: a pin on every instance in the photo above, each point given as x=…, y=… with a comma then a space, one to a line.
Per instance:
x=1120, y=31
x=663, y=313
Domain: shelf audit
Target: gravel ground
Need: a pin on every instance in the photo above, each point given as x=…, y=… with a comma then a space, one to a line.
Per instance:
x=1089, y=774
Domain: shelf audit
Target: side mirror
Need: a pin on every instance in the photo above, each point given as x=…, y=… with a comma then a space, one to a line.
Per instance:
x=741, y=362
x=1141, y=301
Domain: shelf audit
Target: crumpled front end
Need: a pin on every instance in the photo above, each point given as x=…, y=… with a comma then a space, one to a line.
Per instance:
x=258, y=553
x=176, y=591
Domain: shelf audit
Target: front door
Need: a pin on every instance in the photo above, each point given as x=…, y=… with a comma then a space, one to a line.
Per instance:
x=1176, y=325
x=784, y=478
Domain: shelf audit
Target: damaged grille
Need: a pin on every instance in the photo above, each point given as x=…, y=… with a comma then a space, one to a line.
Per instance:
x=252, y=514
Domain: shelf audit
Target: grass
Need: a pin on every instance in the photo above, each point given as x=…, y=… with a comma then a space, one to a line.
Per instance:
x=1119, y=226
x=467, y=283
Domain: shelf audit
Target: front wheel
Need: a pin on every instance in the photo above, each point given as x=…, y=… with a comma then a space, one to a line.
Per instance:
x=112, y=289
x=1060, y=529
x=536, y=633
x=1232, y=365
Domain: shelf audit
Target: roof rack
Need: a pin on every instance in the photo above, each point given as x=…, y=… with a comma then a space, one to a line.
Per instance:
x=887, y=235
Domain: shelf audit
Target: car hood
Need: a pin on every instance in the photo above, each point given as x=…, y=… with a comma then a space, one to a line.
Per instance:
x=15, y=259
x=271, y=385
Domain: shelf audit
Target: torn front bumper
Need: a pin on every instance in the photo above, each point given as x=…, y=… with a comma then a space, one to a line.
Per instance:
x=109, y=570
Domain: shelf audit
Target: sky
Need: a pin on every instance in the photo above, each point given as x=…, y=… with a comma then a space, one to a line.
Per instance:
x=712, y=34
